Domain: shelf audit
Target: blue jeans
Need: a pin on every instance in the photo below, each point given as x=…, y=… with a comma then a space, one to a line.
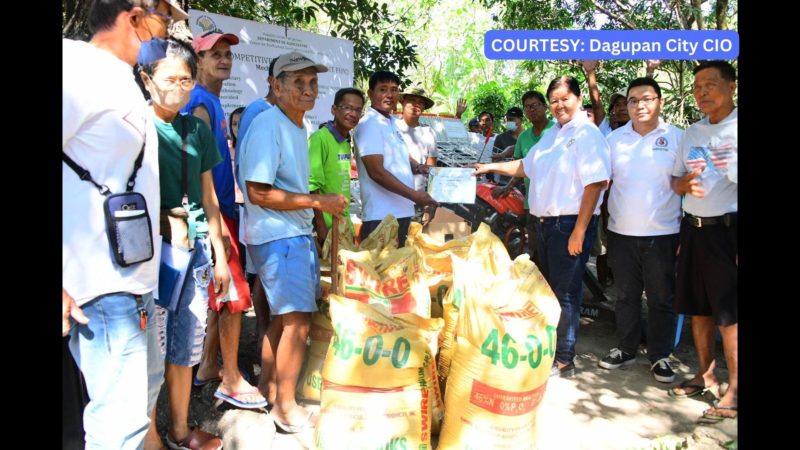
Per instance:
x=644, y=263
x=564, y=273
x=123, y=369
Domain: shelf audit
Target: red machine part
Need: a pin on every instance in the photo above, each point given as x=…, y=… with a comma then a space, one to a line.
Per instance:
x=513, y=202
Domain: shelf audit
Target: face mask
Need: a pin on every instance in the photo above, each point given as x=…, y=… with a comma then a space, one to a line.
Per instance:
x=152, y=50
x=171, y=100
x=512, y=126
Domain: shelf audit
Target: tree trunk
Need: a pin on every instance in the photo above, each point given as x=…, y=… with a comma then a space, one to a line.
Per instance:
x=722, y=17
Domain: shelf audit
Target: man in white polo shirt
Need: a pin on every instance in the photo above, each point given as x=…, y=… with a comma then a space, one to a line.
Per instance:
x=644, y=221
x=385, y=170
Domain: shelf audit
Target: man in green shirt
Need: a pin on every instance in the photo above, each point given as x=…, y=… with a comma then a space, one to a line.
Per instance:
x=329, y=154
x=535, y=107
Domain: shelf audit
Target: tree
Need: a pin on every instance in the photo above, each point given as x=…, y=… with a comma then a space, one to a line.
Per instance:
x=378, y=36
x=674, y=76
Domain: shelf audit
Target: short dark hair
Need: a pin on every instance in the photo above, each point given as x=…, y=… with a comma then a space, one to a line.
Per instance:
x=536, y=94
x=514, y=111
x=486, y=113
x=726, y=70
x=236, y=111
x=344, y=91
x=272, y=67
x=588, y=107
x=645, y=81
x=566, y=80
x=382, y=76
x=180, y=50
x=103, y=13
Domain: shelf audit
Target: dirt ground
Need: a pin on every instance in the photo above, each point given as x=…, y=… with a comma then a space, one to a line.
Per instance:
x=598, y=409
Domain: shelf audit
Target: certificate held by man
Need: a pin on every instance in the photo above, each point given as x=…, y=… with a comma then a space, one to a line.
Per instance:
x=452, y=184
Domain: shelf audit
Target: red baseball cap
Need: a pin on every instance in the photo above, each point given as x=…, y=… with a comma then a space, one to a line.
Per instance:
x=207, y=40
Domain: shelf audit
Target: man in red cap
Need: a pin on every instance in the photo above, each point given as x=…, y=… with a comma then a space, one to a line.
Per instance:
x=224, y=320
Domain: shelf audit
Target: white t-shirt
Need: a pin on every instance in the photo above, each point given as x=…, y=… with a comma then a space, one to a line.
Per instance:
x=714, y=149
x=378, y=135
x=104, y=122
x=641, y=201
x=605, y=126
x=564, y=161
x=421, y=144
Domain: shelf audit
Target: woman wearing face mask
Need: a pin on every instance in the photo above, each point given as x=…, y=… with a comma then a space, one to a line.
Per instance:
x=568, y=169
x=187, y=152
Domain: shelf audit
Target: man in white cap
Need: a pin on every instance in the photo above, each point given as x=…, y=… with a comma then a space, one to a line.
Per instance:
x=274, y=174
x=420, y=140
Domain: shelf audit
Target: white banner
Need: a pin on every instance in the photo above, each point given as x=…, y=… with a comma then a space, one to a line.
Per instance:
x=259, y=44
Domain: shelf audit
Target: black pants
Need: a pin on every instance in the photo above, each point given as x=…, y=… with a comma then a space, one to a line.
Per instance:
x=644, y=263
x=74, y=398
x=370, y=225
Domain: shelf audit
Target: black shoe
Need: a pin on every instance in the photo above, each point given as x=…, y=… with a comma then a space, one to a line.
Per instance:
x=616, y=358
x=567, y=371
x=662, y=371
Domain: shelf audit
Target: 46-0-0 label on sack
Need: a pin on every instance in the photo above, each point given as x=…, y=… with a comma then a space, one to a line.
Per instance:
x=372, y=349
x=504, y=349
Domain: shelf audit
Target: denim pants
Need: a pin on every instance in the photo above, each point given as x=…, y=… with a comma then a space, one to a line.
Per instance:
x=644, y=263
x=564, y=273
x=123, y=369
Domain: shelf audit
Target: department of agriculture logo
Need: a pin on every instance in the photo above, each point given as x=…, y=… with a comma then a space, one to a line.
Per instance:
x=661, y=142
x=205, y=23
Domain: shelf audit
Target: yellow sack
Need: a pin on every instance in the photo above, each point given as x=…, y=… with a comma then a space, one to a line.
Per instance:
x=373, y=348
x=505, y=345
x=390, y=279
x=488, y=251
x=375, y=351
x=320, y=334
x=366, y=419
x=435, y=266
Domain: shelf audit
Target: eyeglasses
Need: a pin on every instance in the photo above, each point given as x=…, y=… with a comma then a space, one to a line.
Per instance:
x=187, y=84
x=634, y=102
x=167, y=19
x=350, y=109
x=533, y=106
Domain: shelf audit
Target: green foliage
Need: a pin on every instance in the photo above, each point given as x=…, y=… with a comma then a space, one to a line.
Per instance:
x=379, y=38
x=488, y=97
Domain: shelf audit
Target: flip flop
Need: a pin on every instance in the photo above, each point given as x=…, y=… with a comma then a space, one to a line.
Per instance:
x=698, y=390
x=197, y=382
x=234, y=400
x=293, y=429
x=714, y=418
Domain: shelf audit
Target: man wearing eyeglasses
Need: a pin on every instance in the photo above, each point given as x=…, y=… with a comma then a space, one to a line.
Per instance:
x=108, y=310
x=644, y=221
x=329, y=154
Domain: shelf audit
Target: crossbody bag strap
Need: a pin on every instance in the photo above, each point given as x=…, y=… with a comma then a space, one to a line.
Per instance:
x=184, y=163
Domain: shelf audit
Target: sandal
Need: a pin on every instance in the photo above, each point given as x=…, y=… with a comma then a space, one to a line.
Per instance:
x=692, y=388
